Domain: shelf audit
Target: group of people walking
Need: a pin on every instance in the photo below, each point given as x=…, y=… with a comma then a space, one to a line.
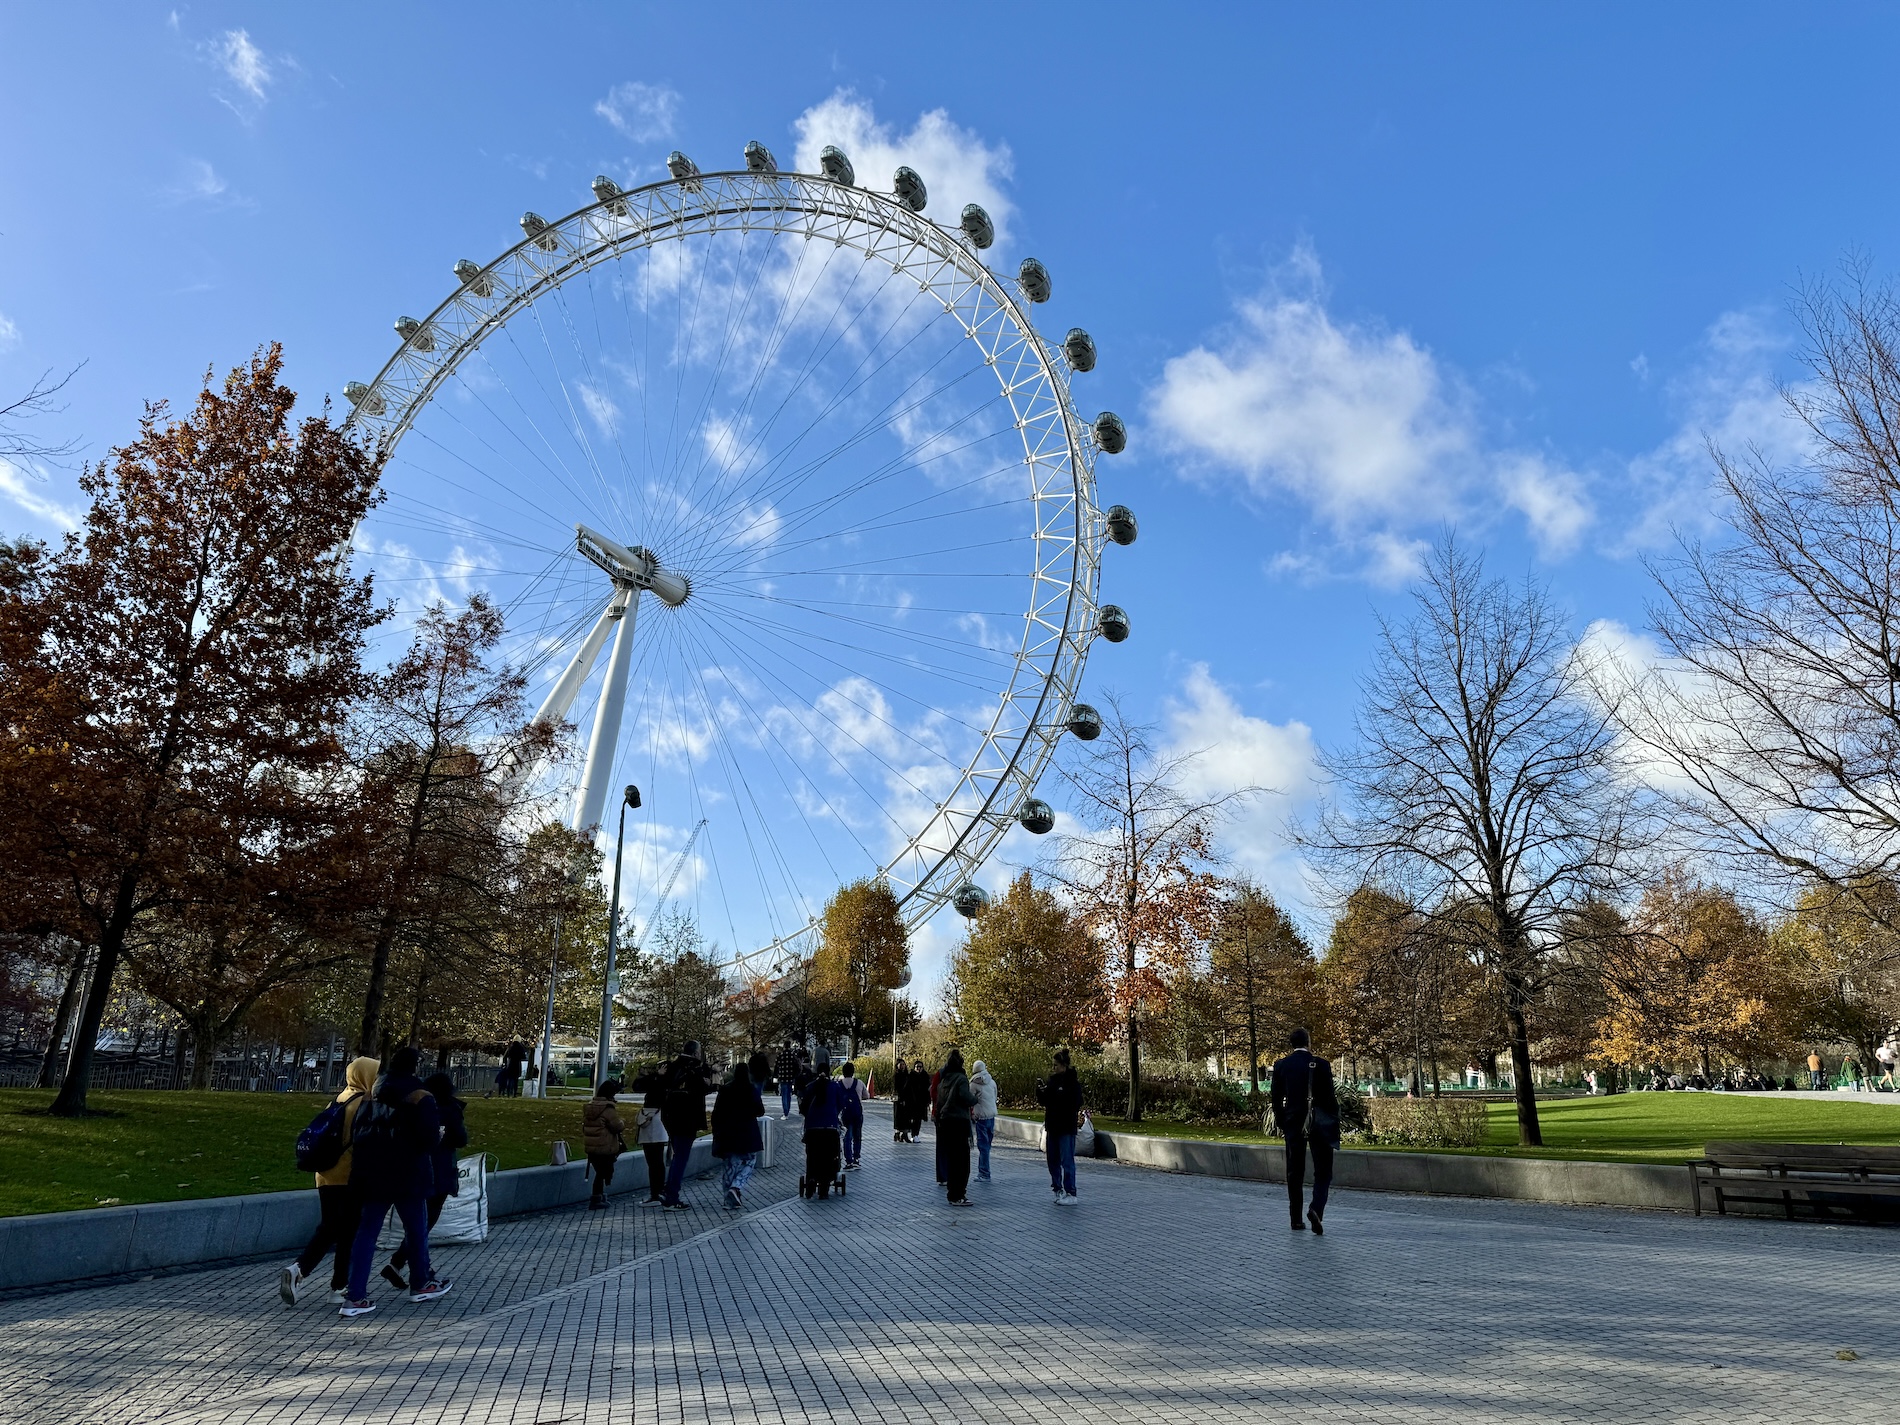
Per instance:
x=387, y=1142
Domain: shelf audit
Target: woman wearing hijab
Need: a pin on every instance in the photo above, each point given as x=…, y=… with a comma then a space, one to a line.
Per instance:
x=336, y=1200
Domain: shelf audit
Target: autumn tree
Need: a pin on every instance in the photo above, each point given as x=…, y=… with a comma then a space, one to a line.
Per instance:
x=1698, y=977
x=863, y=956
x=1363, y=994
x=674, y=991
x=1264, y=976
x=1482, y=777
x=1140, y=871
x=1845, y=947
x=1029, y=966
x=442, y=734
x=198, y=648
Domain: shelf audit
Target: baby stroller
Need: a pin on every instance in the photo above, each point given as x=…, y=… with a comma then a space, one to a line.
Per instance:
x=823, y=1164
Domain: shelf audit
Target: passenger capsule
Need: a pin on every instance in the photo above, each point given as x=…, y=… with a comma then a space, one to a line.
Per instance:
x=910, y=189
x=537, y=227
x=609, y=192
x=758, y=158
x=1113, y=622
x=363, y=398
x=1110, y=434
x=977, y=226
x=1085, y=724
x=472, y=277
x=970, y=899
x=680, y=166
x=1037, y=817
x=836, y=166
x=1121, y=524
x=1079, y=347
x=415, y=333
x=1033, y=278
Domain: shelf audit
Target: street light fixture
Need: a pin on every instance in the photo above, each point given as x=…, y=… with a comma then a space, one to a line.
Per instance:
x=612, y=985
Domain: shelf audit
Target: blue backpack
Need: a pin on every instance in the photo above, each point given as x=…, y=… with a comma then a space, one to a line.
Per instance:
x=320, y=1145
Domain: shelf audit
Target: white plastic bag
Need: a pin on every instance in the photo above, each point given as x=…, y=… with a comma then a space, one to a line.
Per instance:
x=464, y=1216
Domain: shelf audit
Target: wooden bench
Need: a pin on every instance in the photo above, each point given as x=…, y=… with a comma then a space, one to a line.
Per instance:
x=1776, y=1172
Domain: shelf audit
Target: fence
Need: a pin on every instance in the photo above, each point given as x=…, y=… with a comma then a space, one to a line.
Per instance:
x=112, y=1072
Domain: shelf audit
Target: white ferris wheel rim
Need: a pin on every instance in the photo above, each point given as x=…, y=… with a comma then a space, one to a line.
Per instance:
x=1032, y=711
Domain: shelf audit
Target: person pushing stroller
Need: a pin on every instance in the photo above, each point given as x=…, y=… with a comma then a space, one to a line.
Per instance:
x=821, y=1099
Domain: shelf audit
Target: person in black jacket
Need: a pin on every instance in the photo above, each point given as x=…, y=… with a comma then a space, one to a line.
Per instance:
x=1306, y=1110
x=687, y=1081
x=392, y=1139
x=735, y=1132
x=1061, y=1098
x=445, y=1177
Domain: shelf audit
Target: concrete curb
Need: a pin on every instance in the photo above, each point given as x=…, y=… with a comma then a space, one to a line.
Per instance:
x=58, y=1248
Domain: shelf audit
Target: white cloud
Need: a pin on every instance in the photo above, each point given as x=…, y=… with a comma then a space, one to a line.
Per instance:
x=199, y=183
x=1729, y=397
x=956, y=165
x=23, y=488
x=600, y=406
x=1235, y=751
x=1360, y=424
x=9, y=333
x=243, y=62
x=644, y=113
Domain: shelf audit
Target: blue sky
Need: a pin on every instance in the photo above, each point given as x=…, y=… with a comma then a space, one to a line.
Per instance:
x=1356, y=273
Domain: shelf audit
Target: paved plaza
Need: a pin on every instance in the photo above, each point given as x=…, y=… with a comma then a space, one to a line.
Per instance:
x=1160, y=1298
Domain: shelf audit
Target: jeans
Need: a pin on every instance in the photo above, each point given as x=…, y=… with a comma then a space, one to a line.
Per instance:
x=682, y=1147
x=1059, y=1152
x=853, y=1141
x=1297, y=1144
x=956, y=1157
x=1814, y=1079
x=414, y=1213
x=603, y=1166
x=656, y=1169
x=403, y=1254
x=785, y=1098
x=985, y=1135
x=336, y=1230
x=738, y=1171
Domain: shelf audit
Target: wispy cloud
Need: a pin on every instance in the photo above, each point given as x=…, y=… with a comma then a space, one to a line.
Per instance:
x=26, y=490
x=243, y=62
x=644, y=113
x=9, y=333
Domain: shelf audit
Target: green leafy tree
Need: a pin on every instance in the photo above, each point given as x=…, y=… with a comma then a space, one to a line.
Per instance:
x=863, y=955
x=1029, y=966
x=1264, y=977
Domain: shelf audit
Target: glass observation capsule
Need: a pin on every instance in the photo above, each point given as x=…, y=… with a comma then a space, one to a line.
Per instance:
x=536, y=227
x=1036, y=816
x=1084, y=722
x=1033, y=278
x=910, y=189
x=363, y=398
x=1079, y=347
x=970, y=899
x=473, y=278
x=680, y=166
x=977, y=226
x=609, y=192
x=1121, y=524
x=758, y=158
x=1113, y=622
x=836, y=166
x=1110, y=434
x=415, y=333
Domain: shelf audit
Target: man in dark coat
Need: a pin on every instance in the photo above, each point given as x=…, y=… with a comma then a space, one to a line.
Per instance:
x=1306, y=1110
x=688, y=1081
x=786, y=1072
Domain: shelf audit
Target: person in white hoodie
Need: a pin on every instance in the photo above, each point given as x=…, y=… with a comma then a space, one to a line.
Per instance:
x=983, y=1117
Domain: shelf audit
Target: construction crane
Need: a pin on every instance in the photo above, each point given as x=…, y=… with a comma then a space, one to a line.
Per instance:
x=666, y=886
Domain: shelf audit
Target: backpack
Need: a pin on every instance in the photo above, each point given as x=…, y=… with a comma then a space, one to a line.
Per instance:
x=1319, y=1123
x=378, y=1121
x=320, y=1145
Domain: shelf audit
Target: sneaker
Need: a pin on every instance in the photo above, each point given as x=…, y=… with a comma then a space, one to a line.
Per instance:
x=959, y=1202
x=732, y=1199
x=676, y=1207
x=355, y=1308
x=1297, y=1225
x=597, y=1204
x=394, y=1278
x=430, y=1290
x=290, y=1284
x=982, y=1177
x=1319, y=1228
x=654, y=1202
x=339, y=1293
x=1069, y=1200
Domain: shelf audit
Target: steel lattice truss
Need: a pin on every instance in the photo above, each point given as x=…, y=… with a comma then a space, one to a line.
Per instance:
x=1058, y=451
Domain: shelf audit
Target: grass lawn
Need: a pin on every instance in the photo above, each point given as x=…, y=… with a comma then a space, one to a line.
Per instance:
x=1629, y=1128
x=161, y=1146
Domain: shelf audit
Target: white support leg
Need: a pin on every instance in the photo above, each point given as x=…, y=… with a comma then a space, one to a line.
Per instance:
x=561, y=696
x=598, y=771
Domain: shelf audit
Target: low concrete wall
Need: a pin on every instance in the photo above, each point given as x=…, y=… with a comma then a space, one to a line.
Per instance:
x=1653, y=1185
x=53, y=1248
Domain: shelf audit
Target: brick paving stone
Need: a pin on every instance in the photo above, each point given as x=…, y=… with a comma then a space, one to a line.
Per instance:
x=1161, y=1298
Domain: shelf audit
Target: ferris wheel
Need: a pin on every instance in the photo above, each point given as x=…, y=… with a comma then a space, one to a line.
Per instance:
x=803, y=460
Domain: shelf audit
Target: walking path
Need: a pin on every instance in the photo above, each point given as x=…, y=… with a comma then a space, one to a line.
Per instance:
x=1160, y=1298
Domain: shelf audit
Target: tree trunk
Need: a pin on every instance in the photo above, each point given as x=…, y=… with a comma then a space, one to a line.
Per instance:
x=1134, y=1041
x=1529, y=1133
x=62, y=1020
x=71, y=1100
x=204, y=1052
x=1253, y=1044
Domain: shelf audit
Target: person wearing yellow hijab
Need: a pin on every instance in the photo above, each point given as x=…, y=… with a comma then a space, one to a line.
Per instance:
x=336, y=1199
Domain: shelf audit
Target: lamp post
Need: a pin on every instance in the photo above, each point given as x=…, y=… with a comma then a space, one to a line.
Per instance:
x=612, y=985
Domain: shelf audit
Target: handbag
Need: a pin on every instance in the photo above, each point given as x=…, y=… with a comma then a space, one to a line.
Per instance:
x=1319, y=1124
